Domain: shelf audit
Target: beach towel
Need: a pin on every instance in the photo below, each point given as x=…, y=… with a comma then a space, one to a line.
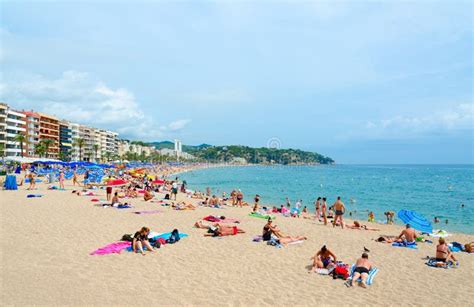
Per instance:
x=113, y=248
x=123, y=207
x=147, y=212
x=261, y=216
x=432, y=262
x=439, y=233
x=163, y=236
x=411, y=245
x=455, y=247
x=34, y=195
x=370, y=278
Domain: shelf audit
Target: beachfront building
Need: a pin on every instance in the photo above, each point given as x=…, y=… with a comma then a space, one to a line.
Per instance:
x=75, y=135
x=32, y=133
x=65, y=140
x=111, y=142
x=49, y=130
x=14, y=124
x=3, y=128
x=88, y=135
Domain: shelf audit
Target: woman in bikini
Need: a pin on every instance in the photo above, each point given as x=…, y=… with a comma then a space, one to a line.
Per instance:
x=323, y=258
x=443, y=253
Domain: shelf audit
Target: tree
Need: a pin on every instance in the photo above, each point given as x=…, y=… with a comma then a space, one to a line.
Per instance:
x=96, y=149
x=2, y=150
x=20, y=138
x=39, y=149
x=79, y=143
x=88, y=155
x=107, y=155
x=47, y=143
x=62, y=156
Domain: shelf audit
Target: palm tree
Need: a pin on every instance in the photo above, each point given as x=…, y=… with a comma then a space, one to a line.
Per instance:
x=88, y=155
x=20, y=138
x=79, y=142
x=96, y=149
x=107, y=156
x=2, y=150
x=39, y=149
x=47, y=143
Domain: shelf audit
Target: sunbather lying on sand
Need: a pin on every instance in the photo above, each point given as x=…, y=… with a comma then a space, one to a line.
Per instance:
x=219, y=230
x=183, y=206
x=147, y=195
x=357, y=225
x=270, y=229
x=362, y=269
x=386, y=239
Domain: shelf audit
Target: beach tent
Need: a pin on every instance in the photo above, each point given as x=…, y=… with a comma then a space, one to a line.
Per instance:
x=416, y=220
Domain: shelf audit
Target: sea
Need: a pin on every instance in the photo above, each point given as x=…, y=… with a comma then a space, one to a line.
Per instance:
x=431, y=190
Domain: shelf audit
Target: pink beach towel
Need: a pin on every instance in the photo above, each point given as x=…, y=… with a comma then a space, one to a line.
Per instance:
x=116, y=248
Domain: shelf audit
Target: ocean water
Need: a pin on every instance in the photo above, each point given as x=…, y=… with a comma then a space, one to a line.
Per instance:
x=432, y=190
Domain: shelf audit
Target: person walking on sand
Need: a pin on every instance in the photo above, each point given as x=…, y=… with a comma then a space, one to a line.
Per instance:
x=323, y=211
x=362, y=269
x=74, y=178
x=317, y=205
x=31, y=177
x=340, y=209
x=61, y=180
x=174, y=190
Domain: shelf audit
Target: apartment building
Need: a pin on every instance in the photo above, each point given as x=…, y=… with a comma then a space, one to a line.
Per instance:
x=75, y=134
x=65, y=139
x=14, y=124
x=49, y=130
x=32, y=126
x=3, y=128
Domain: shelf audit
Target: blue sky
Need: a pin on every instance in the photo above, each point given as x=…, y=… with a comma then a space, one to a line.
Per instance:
x=360, y=81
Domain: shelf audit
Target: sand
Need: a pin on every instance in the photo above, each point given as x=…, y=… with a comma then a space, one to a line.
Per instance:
x=45, y=246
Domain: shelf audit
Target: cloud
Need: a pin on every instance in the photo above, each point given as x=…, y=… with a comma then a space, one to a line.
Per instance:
x=178, y=125
x=78, y=97
x=460, y=117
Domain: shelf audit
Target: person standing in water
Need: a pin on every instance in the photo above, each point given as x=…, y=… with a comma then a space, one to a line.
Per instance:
x=340, y=209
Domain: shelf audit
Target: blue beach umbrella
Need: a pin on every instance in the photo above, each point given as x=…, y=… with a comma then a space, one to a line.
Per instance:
x=416, y=220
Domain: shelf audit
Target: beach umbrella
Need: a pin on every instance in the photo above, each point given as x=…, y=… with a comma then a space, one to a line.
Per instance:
x=158, y=181
x=116, y=183
x=416, y=220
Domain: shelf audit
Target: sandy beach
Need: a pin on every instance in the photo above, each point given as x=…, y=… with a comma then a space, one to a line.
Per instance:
x=46, y=245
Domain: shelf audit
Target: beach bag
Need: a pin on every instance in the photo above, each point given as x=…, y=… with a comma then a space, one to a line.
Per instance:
x=127, y=237
x=340, y=272
x=174, y=237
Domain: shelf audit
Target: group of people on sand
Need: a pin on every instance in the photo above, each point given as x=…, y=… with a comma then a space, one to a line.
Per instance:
x=326, y=259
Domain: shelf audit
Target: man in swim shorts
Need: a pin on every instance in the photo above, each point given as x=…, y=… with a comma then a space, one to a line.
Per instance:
x=340, y=209
x=362, y=269
x=408, y=235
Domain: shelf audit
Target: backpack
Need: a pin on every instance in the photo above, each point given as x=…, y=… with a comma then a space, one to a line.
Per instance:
x=127, y=237
x=340, y=272
x=174, y=237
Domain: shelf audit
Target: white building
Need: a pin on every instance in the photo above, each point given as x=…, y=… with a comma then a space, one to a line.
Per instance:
x=15, y=123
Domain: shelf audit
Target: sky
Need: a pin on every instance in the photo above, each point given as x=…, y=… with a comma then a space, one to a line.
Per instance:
x=359, y=81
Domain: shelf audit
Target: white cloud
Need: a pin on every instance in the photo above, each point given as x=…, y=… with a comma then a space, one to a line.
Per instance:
x=461, y=117
x=77, y=97
x=178, y=125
